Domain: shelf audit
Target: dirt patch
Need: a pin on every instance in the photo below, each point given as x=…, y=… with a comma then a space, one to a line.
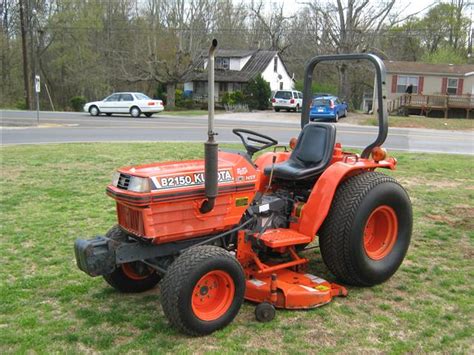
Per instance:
x=465, y=216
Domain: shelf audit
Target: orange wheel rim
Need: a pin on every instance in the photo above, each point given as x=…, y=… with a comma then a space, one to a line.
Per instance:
x=130, y=270
x=380, y=233
x=213, y=295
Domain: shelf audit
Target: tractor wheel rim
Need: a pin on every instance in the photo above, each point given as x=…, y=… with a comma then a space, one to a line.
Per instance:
x=380, y=232
x=213, y=295
x=130, y=271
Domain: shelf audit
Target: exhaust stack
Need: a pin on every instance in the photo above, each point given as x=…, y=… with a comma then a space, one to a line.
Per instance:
x=210, y=147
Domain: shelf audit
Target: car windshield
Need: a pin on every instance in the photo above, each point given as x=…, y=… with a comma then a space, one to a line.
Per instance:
x=283, y=95
x=142, y=97
x=321, y=102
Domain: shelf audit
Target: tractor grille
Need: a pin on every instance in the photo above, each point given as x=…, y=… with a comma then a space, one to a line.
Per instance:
x=131, y=219
x=123, y=181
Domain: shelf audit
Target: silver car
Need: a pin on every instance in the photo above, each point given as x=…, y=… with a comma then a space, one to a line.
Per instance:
x=133, y=103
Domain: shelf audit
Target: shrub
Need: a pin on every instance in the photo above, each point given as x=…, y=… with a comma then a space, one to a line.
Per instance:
x=78, y=102
x=178, y=98
x=21, y=104
x=257, y=93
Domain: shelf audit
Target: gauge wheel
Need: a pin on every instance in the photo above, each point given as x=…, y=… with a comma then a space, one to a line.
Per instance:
x=94, y=110
x=135, y=112
x=202, y=290
x=130, y=277
x=366, y=234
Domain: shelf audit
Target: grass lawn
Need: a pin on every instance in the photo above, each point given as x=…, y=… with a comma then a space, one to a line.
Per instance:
x=423, y=122
x=52, y=194
x=185, y=113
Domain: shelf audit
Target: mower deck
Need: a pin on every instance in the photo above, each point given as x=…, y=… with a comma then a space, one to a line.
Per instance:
x=292, y=290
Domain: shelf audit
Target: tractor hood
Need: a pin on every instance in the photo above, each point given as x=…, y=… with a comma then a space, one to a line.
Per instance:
x=234, y=171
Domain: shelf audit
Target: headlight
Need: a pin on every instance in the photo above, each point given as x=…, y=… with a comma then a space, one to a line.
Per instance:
x=115, y=178
x=138, y=184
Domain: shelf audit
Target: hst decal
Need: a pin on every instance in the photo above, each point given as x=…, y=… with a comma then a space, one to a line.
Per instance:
x=186, y=180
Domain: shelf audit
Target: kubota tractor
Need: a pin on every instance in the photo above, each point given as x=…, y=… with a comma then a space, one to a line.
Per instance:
x=217, y=231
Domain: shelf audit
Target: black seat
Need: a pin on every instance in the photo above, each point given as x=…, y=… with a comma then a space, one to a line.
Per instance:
x=311, y=156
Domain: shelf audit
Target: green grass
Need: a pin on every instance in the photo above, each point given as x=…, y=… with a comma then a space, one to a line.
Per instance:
x=182, y=112
x=424, y=122
x=52, y=194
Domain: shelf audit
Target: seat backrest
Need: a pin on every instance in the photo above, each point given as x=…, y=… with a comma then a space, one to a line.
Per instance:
x=315, y=144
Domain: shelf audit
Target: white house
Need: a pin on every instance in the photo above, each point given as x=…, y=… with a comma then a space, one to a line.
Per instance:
x=234, y=69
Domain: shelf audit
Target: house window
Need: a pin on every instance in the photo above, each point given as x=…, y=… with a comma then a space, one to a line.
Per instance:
x=222, y=63
x=275, y=64
x=452, y=87
x=403, y=81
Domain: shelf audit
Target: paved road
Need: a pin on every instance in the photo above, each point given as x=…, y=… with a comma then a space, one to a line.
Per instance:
x=19, y=127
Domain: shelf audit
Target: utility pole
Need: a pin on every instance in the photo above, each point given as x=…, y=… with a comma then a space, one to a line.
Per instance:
x=26, y=72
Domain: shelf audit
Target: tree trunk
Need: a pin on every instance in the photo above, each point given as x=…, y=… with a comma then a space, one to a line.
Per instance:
x=344, y=83
x=170, y=94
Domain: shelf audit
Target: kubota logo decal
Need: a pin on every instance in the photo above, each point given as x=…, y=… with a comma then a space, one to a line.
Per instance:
x=186, y=180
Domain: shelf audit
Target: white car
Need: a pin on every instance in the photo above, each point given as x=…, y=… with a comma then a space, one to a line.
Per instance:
x=133, y=103
x=290, y=100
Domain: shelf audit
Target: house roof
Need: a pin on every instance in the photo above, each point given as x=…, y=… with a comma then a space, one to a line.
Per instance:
x=427, y=68
x=257, y=63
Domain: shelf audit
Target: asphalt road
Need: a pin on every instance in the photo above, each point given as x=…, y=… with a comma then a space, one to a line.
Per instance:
x=19, y=127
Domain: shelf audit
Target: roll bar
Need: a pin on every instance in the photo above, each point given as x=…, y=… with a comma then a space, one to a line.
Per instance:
x=381, y=92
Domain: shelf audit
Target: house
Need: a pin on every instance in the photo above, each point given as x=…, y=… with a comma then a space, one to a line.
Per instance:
x=427, y=79
x=234, y=69
x=436, y=87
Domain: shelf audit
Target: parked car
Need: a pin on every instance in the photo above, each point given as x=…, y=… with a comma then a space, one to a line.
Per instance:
x=289, y=100
x=133, y=103
x=324, y=108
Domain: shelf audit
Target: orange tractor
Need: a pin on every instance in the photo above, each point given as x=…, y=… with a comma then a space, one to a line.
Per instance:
x=217, y=231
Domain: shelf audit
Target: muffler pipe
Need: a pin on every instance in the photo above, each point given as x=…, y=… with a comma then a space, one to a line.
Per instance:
x=211, y=146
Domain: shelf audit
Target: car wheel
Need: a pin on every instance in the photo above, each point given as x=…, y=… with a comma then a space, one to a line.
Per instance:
x=345, y=112
x=277, y=110
x=297, y=108
x=148, y=114
x=135, y=112
x=336, y=119
x=108, y=114
x=94, y=111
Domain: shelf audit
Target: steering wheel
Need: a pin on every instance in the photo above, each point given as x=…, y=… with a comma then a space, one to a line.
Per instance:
x=253, y=141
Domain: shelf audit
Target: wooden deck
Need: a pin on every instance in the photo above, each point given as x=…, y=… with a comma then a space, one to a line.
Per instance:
x=429, y=103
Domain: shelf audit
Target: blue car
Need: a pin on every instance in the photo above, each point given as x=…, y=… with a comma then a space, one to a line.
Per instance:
x=327, y=108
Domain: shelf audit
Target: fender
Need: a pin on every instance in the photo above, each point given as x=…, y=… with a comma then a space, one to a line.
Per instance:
x=317, y=207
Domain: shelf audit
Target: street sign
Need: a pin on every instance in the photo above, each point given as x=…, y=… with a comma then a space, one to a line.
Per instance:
x=37, y=84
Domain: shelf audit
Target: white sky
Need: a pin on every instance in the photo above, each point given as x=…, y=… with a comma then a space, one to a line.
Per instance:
x=406, y=7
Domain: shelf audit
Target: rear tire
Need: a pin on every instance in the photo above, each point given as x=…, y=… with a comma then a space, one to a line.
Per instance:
x=148, y=115
x=366, y=234
x=202, y=290
x=135, y=112
x=108, y=114
x=336, y=119
x=277, y=110
x=130, y=277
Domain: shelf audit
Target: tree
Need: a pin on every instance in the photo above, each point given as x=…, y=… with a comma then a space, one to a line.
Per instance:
x=257, y=93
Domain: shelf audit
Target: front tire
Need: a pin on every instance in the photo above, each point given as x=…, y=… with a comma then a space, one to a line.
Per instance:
x=202, y=290
x=130, y=277
x=94, y=111
x=366, y=234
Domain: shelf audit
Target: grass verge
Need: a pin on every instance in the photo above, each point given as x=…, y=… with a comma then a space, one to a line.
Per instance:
x=423, y=122
x=52, y=194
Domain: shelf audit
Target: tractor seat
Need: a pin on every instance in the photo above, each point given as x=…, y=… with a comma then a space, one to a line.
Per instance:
x=311, y=156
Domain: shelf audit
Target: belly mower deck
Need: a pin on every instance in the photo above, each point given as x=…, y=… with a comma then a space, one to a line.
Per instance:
x=285, y=284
